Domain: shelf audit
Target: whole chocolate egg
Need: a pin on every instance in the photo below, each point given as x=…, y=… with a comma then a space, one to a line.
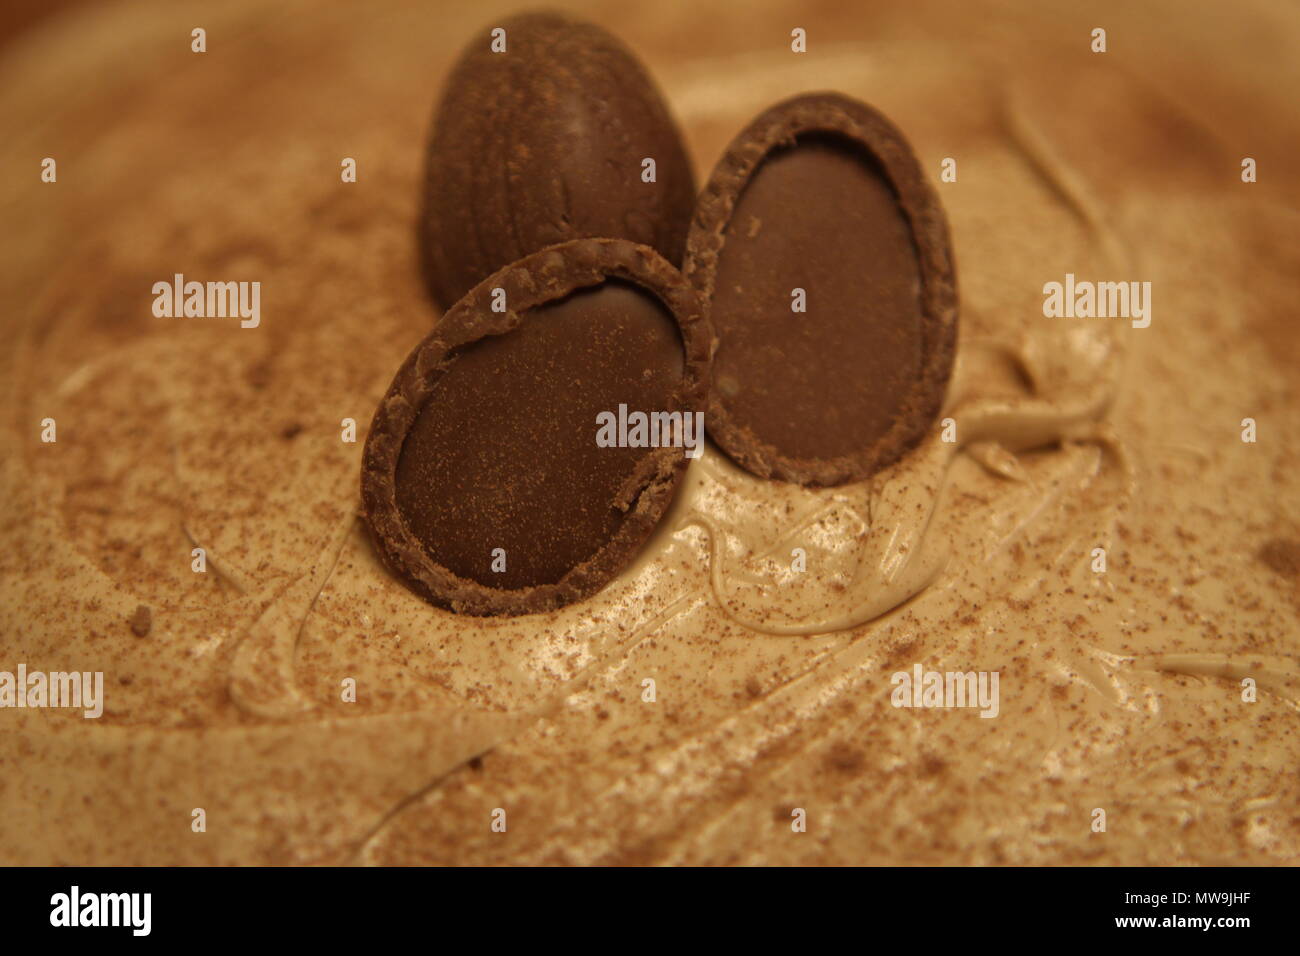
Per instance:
x=548, y=129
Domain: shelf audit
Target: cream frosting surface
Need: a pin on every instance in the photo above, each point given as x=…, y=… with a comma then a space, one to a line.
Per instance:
x=772, y=687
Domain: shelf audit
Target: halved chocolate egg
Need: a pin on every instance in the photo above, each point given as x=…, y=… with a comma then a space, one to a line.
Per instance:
x=825, y=266
x=487, y=482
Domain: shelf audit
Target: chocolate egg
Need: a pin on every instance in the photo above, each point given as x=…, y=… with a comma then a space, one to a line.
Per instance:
x=548, y=129
x=823, y=260
x=493, y=478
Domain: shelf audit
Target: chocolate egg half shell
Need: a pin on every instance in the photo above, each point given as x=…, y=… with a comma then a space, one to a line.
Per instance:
x=485, y=482
x=823, y=260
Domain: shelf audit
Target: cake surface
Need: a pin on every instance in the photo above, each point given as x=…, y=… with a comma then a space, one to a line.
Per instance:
x=772, y=689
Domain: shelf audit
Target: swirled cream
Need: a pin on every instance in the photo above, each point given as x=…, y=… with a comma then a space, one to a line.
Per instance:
x=316, y=711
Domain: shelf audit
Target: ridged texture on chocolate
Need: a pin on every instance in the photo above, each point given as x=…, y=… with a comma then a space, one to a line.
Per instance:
x=532, y=286
x=908, y=355
x=544, y=143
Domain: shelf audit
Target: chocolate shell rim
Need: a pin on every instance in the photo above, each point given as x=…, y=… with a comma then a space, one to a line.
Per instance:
x=544, y=276
x=779, y=126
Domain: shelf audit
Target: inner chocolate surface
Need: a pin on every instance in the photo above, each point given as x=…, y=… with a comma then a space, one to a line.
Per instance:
x=819, y=216
x=504, y=453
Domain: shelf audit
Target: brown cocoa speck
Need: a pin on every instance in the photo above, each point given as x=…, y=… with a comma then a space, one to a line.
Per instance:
x=1281, y=555
x=898, y=654
x=259, y=375
x=141, y=620
x=933, y=765
x=844, y=758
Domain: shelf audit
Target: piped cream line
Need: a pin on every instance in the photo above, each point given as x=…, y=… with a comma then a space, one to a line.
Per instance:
x=915, y=577
x=895, y=540
x=997, y=459
x=1068, y=185
x=262, y=679
x=1275, y=674
x=226, y=571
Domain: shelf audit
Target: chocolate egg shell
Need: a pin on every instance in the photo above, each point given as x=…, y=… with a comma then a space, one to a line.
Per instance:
x=482, y=482
x=543, y=143
x=820, y=203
